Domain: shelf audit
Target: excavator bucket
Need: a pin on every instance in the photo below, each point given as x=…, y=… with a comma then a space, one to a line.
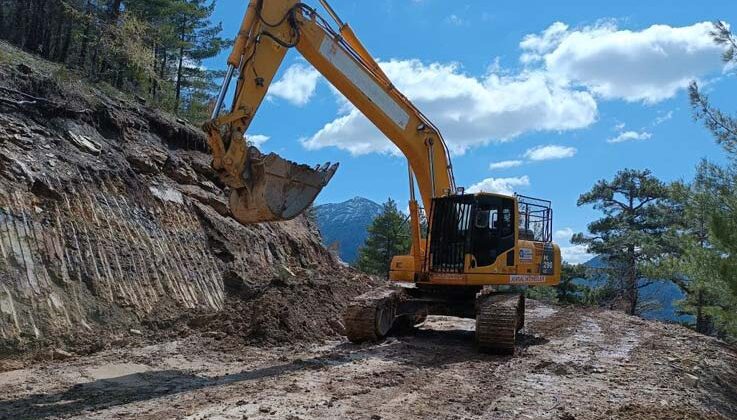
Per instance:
x=277, y=189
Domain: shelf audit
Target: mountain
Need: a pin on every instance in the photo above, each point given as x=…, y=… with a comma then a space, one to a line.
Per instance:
x=597, y=262
x=346, y=224
x=663, y=294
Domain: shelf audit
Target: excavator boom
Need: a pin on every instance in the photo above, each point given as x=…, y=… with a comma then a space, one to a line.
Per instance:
x=269, y=188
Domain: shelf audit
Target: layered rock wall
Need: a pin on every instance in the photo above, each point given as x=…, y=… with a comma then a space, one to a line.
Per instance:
x=111, y=215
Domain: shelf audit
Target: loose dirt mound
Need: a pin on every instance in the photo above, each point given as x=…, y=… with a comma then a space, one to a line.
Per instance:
x=301, y=306
x=112, y=222
x=304, y=306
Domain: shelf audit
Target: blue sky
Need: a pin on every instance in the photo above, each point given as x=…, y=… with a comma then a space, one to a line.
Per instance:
x=554, y=95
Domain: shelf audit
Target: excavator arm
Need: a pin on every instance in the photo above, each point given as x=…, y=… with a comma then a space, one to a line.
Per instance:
x=268, y=188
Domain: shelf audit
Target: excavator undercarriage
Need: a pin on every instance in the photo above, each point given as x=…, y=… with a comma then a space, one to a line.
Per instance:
x=396, y=309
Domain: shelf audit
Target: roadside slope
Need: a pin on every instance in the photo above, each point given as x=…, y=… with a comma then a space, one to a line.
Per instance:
x=111, y=221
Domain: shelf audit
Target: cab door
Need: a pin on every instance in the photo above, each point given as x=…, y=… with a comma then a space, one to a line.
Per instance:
x=493, y=233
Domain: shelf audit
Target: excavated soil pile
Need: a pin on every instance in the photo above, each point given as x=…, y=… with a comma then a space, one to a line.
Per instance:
x=113, y=227
x=295, y=306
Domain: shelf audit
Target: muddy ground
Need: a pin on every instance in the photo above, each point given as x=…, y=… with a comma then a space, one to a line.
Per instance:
x=571, y=363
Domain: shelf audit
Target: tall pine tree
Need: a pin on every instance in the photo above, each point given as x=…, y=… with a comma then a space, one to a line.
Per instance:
x=718, y=273
x=697, y=267
x=634, y=233
x=197, y=40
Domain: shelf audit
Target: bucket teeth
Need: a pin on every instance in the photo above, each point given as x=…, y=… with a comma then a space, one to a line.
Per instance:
x=329, y=170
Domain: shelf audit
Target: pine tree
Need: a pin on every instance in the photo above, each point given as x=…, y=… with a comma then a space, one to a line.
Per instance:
x=388, y=236
x=713, y=267
x=197, y=40
x=695, y=268
x=634, y=234
x=159, y=14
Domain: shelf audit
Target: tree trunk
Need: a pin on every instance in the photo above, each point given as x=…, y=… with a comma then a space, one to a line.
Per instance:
x=85, y=36
x=631, y=286
x=30, y=23
x=34, y=38
x=50, y=28
x=64, y=52
x=95, y=68
x=154, y=82
x=702, y=324
x=164, y=62
x=108, y=62
x=58, y=34
x=2, y=20
x=178, y=88
x=22, y=9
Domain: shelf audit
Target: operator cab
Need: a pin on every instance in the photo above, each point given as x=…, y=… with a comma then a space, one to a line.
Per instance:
x=486, y=227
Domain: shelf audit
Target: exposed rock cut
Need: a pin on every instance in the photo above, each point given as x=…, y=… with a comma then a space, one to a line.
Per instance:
x=111, y=218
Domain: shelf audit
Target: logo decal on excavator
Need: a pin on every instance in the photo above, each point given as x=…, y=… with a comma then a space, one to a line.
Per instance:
x=547, y=267
x=526, y=279
x=364, y=82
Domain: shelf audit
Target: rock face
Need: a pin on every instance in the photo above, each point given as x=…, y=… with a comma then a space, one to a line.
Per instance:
x=110, y=216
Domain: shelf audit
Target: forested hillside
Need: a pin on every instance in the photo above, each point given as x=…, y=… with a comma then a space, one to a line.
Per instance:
x=152, y=49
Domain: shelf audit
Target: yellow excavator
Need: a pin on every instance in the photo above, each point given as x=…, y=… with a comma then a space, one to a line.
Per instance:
x=479, y=250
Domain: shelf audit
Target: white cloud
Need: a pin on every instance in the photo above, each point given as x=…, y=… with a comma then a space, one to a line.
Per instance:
x=470, y=111
x=550, y=152
x=297, y=85
x=648, y=65
x=564, y=234
x=455, y=20
x=500, y=185
x=630, y=136
x=506, y=164
x=663, y=118
x=575, y=254
x=258, y=139
x=565, y=71
x=536, y=45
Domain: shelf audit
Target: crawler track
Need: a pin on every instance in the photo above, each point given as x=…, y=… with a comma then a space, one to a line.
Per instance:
x=369, y=317
x=498, y=319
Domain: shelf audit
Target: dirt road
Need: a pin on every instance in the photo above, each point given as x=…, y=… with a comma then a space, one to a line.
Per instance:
x=570, y=364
